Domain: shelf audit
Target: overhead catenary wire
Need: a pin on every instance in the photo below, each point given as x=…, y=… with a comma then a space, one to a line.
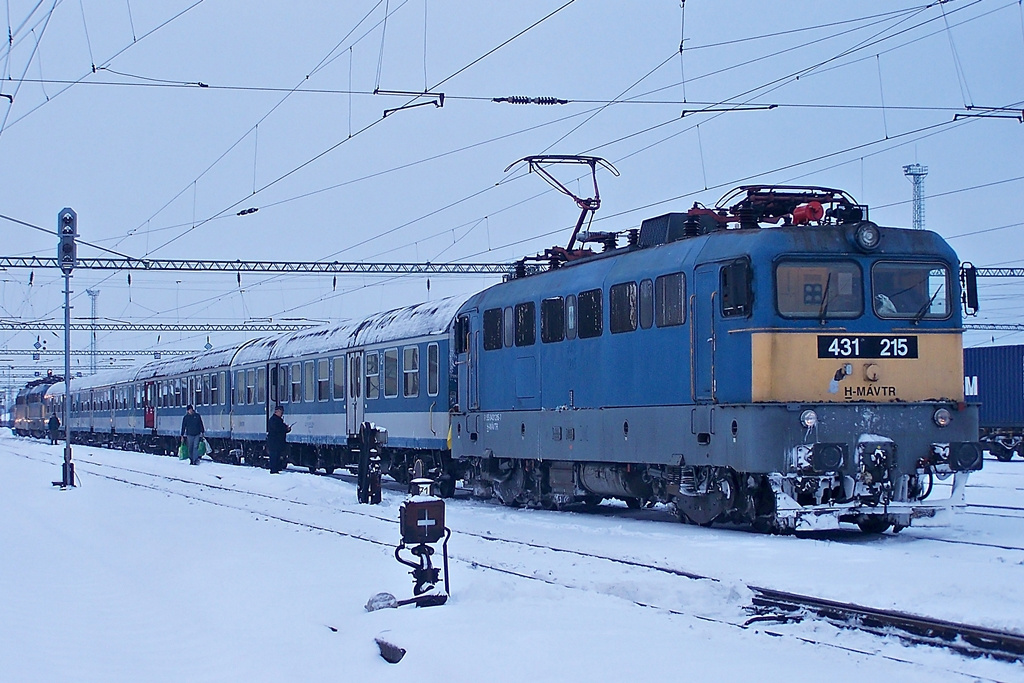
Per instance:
x=365, y=128
x=5, y=124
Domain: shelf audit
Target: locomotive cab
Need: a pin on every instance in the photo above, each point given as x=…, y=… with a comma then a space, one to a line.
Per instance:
x=855, y=370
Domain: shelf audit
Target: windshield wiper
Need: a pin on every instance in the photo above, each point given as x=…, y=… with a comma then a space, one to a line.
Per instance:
x=924, y=309
x=823, y=309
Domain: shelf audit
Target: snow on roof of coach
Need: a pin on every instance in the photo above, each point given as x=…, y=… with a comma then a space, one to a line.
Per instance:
x=256, y=350
x=105, y=378
x=409, y=322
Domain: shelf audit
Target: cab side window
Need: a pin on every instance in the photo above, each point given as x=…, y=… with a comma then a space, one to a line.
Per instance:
x=734, y=285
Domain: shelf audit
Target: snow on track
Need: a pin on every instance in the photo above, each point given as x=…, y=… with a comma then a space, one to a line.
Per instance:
x=167, y=580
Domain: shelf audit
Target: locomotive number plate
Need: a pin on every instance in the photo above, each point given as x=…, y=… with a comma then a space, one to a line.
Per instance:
x=833, y=346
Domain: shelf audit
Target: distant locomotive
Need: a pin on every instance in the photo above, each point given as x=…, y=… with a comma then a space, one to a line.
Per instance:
x=32, y=409
x=786, y=376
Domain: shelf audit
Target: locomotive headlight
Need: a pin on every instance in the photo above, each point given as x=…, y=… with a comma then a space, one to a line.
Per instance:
x=867, y=236
x=808, y=419
x=942, y=417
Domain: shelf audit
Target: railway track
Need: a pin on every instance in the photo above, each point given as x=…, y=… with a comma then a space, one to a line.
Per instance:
x=965, y=639
x=767, y=605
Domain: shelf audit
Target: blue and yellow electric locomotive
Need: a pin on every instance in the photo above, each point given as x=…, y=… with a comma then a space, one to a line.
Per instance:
x=779, y=360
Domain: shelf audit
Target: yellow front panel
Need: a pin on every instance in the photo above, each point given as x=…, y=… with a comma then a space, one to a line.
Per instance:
x=786, y=368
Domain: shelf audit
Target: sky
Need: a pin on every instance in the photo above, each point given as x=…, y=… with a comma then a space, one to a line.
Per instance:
x=160, y=122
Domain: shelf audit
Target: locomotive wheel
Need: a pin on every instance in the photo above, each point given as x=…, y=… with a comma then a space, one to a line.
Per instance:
x=873, y=525
x=446, y=487
x=633, y=503
x=705, y=507
x=509, y=489
x=329, y=470
x=1002, y=453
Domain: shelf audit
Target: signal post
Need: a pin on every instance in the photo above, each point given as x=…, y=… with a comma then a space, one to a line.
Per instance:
x=67, y=257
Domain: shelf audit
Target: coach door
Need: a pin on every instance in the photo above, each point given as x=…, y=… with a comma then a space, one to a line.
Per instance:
x=702, y=310
x=148, y=399
x=467, y=359
x=273, y=388
x=354, y=408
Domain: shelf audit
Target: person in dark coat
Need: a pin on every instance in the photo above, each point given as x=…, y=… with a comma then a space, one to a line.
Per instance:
x=192, y=430
x=53, y=425
x=277, y=438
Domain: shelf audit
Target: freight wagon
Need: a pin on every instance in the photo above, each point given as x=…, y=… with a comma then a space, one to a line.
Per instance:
x=994, y=377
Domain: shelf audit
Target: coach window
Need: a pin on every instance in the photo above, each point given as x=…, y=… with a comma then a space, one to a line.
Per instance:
x=526, y=324
x=339, y=378
x=323, y=380
x=508, y=326
x=734, y=284
x=178, y=389
x=296, y=377
x=261, y=385
x=214, y=390
x=240, y=388
x=309, y=383
x=552, y=320
x=591, y=312
x=492, y=329
x=372, y=375
x=622, y=307
x=646, y=304
x=914, y=291
x=570, y=316
x=819, y=289
x=390, y=373
x=670, y=300
x=283, y=383
x=411, y=371
x=199, y=391
x=207, y=391
x=433, y=369
x=250, y=386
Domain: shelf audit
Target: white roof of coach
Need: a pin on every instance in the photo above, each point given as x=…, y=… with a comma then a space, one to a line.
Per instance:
x=105, y=378
x=410, y=322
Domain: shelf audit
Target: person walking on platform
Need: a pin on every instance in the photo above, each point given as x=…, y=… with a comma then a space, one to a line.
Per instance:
x=192, y=430
x=277, y=438
x=53, y=425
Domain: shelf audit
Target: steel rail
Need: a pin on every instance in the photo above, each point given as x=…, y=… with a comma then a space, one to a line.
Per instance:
x=966, y=639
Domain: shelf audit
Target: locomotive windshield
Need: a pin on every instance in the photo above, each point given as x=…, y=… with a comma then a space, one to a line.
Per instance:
x=818, y=289
x=910, y=290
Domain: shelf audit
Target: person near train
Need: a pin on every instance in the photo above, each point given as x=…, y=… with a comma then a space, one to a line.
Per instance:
x=192, y=431
x=277, y=439
x=53, y=425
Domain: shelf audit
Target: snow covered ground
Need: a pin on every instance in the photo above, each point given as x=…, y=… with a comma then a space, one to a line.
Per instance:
x=153, y=570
